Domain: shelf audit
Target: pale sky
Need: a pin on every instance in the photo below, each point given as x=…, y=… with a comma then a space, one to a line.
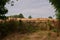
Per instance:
x=35, y=8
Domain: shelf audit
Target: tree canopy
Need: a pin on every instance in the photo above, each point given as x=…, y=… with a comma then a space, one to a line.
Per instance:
x=21, y=15
x=50, y=17
x=3, y=9
x=56, y=4
x=30, y=17
x=17, y=16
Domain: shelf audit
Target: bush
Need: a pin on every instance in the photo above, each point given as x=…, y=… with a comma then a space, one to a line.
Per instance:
x=12, y=25
x=25, y=27
x=7, y=28
x=3, y=30
x=54, y=30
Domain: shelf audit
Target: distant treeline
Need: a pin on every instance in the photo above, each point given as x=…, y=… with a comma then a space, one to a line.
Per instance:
x=19, y=16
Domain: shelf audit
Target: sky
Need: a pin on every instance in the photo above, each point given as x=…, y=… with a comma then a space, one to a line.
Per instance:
x=35, y=8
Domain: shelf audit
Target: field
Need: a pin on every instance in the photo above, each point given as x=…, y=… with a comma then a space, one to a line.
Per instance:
x=32, y=29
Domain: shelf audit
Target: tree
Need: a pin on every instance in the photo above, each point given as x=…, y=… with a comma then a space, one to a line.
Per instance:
x=50, y=17
x=21, y=15
x=3, y=9
x=30, y=17
x=56, y=4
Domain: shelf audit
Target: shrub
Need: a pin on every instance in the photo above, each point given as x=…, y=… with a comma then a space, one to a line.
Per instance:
x=12, y=25
x=3, y=30
x=54, y=30
x=25, y=27
x=7, y=28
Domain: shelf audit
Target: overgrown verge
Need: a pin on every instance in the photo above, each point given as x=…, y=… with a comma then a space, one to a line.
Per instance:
x=13, y=26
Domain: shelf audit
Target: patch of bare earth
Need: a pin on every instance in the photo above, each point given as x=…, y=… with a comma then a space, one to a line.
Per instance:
x=40, y=35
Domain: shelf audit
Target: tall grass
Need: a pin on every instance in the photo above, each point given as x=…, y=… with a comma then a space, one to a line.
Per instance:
x=13, y=26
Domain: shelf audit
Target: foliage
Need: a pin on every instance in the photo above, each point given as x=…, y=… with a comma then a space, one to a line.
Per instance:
x=30, y=27
x=17, y=16
x=25, y=27
x=22, y=27
x=30, y=17
x=8, y=28
x=3, y=30
x=50, y=17
x=54, y=30
x=21, y=15
x=3, y=10
x=12, y=26
x=56, y=4
x=58, y=15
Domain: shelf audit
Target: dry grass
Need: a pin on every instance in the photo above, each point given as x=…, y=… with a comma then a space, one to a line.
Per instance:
x=39, y=35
